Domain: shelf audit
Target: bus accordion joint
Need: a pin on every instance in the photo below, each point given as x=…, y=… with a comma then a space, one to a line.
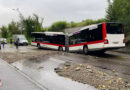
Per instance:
x=106, y=41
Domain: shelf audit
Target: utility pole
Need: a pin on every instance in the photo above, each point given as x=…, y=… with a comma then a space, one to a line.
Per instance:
x=21, y=18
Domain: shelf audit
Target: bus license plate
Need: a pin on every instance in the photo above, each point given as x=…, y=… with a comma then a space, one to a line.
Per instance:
x=115, y=42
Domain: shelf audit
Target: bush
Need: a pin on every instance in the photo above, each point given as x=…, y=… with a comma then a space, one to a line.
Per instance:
x=128, y=40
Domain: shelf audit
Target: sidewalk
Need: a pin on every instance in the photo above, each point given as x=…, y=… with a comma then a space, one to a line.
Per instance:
x=14, y=80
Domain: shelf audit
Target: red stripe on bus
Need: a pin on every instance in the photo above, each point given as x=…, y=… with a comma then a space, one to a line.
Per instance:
x=87, y=43
x=124, y=29
x=50, y=44
x=104, y=30
x=124, y=32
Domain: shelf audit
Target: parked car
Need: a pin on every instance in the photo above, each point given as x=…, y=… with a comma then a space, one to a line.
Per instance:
x=22, y=39
x=3, y=40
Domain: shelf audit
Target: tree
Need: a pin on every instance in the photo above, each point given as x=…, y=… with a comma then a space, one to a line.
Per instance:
x=58, y=26
x=109, y=12
x=4, y=32
x=13, y=28
x=119, y=11
x=32, y=24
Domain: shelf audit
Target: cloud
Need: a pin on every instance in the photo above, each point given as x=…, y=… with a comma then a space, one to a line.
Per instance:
x=53, y=10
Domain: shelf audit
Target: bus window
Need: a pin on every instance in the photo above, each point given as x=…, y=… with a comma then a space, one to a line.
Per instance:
x=87, y=36
x=114, y=28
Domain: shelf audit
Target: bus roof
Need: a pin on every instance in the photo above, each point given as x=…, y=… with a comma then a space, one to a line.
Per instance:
x=48, y=33
x=77, y=29
x=90, y=27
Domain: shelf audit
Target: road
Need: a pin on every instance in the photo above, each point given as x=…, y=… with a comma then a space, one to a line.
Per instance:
x=12, y=79
x=43, y=71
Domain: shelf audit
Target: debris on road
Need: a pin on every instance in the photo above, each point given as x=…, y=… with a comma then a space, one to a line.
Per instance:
x=88, y=74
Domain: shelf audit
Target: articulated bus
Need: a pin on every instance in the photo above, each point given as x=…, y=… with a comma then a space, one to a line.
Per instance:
x=53, y=40
x=98, y=37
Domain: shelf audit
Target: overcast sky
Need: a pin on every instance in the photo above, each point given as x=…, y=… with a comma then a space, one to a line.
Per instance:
x=53, y=10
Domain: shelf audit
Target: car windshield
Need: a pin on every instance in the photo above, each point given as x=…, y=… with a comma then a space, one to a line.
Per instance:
x=22, y=39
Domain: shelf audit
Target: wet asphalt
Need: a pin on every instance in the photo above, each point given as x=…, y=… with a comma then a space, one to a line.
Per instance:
x=117, y=60
x=43, y=73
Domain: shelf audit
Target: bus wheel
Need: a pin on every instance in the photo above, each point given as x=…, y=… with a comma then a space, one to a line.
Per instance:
x=85, y=49
x=39, y=46
x=60, y=48
x=102, y=51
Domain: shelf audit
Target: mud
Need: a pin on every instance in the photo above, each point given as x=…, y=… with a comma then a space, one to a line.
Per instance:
x=29, y=53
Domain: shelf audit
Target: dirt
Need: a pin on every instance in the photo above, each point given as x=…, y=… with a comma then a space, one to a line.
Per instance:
x=36, y=55
x=87, y=74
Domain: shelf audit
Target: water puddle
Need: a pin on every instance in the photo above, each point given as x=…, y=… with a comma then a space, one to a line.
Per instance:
x=43, y=72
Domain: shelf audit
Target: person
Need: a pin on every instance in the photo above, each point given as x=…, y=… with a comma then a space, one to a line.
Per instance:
x=17, y=43
x=3, y=42
x=0, y=44
x=11, y=43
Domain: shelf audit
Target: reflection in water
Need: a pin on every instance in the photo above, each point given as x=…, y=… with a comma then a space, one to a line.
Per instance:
x=46, y=75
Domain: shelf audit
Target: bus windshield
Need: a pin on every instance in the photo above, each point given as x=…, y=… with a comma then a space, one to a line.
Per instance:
x=114, y=28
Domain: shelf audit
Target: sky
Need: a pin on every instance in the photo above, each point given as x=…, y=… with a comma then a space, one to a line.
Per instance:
x=53, y=10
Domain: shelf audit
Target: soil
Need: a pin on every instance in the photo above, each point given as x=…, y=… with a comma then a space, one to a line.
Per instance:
x=88, y=74
x=11, y=57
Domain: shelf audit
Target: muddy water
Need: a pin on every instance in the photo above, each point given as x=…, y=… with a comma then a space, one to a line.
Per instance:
x=43, y=72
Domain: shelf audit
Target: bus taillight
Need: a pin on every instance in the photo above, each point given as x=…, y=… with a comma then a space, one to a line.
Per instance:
x=106, y=41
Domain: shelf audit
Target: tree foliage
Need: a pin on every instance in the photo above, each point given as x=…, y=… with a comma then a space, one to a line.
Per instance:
x=58, y=26
x=13, y=28
x=32, y=24
x=61, y=25
x=4, y=31
x=119, y=11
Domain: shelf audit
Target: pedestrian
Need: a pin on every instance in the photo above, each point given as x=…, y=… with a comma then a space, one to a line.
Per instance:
x=0, y=44
x=17, y=43
x=11, y=43
x=3, y=42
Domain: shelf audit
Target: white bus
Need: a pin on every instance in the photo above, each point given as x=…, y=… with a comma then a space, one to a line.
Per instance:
x=52, y=40
x=98, y=37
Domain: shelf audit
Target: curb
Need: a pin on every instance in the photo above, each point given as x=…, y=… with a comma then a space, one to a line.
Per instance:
x=26, y=76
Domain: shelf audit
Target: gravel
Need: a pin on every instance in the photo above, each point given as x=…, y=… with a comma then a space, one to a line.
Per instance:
x=88, y=74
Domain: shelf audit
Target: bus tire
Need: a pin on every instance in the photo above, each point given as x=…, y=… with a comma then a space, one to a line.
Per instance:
x=60, y=48
x=85, y=49
x=102, y=51
x=39, y=46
